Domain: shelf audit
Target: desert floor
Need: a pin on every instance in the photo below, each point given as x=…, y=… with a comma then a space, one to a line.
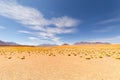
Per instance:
x=44, y=67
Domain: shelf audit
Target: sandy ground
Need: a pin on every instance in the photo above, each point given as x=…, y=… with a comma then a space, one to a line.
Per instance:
x=59, y=68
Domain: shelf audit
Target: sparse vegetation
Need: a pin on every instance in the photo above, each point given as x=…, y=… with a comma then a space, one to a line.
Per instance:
x=86, y=51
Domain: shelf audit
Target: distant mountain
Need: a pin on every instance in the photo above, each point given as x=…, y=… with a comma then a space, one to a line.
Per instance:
x=48, y=45
x=2, y=43
x=65, y=44
x=11, y=43
x=85, y=43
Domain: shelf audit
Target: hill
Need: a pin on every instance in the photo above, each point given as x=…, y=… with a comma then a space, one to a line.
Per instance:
x=48, y=45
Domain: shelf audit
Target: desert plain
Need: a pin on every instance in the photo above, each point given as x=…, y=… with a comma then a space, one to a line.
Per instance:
x=83, y=62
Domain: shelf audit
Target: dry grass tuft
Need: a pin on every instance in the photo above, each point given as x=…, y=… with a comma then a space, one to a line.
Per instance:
x=23, y=57
x=9, y=57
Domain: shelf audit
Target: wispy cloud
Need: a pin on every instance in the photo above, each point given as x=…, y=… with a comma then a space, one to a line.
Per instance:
x=32, y=38
x=2, y=27
x=64, y=21
x=115, y=39
x=108, y=21
x=23, y=31
x=107, y=29
x=35, y=20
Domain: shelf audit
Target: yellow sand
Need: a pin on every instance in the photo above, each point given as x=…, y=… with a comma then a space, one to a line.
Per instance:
x=59, y=68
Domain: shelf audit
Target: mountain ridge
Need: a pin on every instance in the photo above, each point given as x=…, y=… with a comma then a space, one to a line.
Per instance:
x=3, y=43
x=85, y=43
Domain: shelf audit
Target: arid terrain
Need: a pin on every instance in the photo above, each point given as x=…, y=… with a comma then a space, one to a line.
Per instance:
x=82, y=62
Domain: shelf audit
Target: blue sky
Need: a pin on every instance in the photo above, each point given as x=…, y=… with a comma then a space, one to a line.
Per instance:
x=36, y=22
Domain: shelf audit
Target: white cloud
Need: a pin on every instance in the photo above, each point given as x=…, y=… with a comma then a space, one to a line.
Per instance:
x=35, y=20
x=115, y=39
x=2, y=27
x=49, y=36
